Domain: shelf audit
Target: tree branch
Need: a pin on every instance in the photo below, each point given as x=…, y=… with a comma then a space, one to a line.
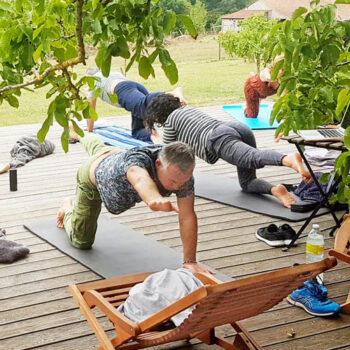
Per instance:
x=343, y=64
x=79, y=31
x=65, y=37
x=70, y=84
x=60, y=66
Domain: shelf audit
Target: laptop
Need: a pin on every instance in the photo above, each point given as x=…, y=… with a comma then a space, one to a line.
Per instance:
x=327, y=134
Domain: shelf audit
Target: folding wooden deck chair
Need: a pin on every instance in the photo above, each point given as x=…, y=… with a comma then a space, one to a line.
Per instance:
x=341, y=251
x=216, y=304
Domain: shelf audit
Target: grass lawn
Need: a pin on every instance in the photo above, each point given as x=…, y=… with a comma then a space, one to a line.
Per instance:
x=206, y=80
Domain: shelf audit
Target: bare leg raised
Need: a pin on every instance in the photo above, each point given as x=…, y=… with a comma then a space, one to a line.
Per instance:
x=295, y=162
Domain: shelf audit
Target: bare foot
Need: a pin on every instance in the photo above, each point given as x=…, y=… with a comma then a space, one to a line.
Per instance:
x=66, y=206
x=4, y=168
x=73, y=136
x=156, y=138
x=295, y=162
x=281, y=193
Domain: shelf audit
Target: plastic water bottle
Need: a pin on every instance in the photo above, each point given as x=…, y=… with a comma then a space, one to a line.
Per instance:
x=315, y=247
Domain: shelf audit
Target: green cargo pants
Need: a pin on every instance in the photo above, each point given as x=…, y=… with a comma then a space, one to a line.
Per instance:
x=81, y=223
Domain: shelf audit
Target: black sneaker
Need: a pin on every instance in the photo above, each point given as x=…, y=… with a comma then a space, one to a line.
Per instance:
x=287, y=232
x=270, y=235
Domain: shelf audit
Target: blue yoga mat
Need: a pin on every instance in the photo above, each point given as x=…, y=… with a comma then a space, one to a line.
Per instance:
x=118, y=136
x=260, y=123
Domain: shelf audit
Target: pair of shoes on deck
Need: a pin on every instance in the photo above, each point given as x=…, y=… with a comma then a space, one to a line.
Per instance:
x=276, y=236
x=312, y=297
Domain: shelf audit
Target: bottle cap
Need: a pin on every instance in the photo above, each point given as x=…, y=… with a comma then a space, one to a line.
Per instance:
x=315, y=226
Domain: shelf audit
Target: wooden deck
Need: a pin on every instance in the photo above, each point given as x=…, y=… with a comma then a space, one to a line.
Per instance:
x=36, y=310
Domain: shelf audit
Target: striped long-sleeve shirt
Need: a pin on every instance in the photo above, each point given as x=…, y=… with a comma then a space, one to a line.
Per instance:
x=192, y=127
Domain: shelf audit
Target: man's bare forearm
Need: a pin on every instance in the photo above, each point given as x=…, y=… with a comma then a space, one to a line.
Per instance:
x=188, y=232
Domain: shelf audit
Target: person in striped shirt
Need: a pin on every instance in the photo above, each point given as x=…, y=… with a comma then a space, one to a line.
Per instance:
x=231, y=141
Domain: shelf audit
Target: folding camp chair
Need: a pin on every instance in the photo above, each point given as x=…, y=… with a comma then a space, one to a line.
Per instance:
x=341, y=251
x=216, y=304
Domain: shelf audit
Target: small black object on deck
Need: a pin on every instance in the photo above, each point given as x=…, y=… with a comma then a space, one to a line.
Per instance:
x=13, y=179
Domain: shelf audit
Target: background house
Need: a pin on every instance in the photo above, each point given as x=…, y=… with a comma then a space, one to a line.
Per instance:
x=276, y=9
x=230, y=21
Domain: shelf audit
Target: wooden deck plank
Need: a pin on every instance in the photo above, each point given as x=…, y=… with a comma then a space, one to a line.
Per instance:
x=36, y=310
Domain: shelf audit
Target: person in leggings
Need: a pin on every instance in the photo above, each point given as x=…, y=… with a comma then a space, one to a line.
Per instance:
x=131, y=95
x=231, y=141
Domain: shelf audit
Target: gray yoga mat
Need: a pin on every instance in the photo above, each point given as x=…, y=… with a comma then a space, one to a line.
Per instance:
x=228, y=191
x=117, y=250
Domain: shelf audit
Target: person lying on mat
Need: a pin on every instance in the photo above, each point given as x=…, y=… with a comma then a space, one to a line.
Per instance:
x=232, y=141
x=120, y=179
x=132, y=96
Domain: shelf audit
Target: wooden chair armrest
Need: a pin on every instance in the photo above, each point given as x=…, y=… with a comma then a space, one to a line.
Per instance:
x=173, y=309
x=128, y=280
x=206, y=278
x=94, y=298
x=339, y=255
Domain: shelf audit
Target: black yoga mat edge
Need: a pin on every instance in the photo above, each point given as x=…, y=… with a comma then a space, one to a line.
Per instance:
x=225, y=190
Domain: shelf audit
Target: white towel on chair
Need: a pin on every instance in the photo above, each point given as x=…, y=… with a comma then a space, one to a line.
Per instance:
x=158, y=291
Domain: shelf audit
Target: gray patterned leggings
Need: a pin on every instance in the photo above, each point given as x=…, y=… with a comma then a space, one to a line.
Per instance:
x=235, y=143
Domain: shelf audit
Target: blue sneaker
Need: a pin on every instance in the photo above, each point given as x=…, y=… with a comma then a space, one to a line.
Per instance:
x=312, y=297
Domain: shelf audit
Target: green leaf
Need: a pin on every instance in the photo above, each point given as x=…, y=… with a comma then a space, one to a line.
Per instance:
x=145, y=67
x=77, y=129
x=44, y=128
x=347, y=138
x=65, y=139
x=13, y=101
x=106, y=67
x=324, y=178
x=153, y=55
x=91, y=113
x=113, y=98
x=299, y=12
x=314, y=3
x=308, y=51
x=95, y=3
x=91, y=82
x=342, y=2
x=97, y=93
x=188, y=24
x=120, y=48
x=18, y=5
x=330, y=55
x=164, y=57
x=276, y=69
x=71, y=52
x=103, y=60
x=169, y=22
x=37, y=31
x=171, y=72
x=342, y=101
x=6, y=6
x=37, y=53
x=96, y=27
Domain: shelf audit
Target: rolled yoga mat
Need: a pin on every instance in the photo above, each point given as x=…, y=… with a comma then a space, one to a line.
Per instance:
x=118, y=137
x=117, y=250
x=261, y=122
x=228, y=191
